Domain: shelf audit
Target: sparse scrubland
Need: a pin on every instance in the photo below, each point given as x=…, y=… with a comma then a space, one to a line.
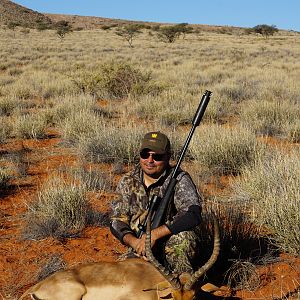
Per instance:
x=100, y=96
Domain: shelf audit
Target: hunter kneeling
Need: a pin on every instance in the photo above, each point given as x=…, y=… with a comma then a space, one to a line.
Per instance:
x=174, y=241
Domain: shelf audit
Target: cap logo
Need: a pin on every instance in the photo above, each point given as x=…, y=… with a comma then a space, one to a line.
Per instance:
x=154, y=135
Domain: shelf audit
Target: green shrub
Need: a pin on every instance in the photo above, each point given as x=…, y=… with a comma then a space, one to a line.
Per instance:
x=272, y=183
x=115, y=81
x=225, y=150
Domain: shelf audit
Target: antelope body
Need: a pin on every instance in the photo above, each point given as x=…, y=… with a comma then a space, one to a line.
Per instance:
x=124, y=280
x=104, y=280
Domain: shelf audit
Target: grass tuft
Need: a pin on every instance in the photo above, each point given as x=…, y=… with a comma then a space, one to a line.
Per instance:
x=272, y=183
x=223, y=150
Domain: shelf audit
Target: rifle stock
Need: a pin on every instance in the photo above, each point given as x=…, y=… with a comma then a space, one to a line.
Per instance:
x=160, y=211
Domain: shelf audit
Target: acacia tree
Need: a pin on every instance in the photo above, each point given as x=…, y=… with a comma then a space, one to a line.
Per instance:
x=129, y=32
x=62, y=28
x=265, y=30
x=184, y=29
x=169, y=34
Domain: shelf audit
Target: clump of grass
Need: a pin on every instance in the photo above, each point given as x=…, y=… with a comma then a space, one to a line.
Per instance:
x=31, y=126
x=5, y=129
x=272, y=183
x=112, y=143
x=223, y=150
x=80, y=124
x=238, y=91
x=240, y=241
x=7, y=106
x=292, y=131
x=270, y=117
x=60, y=210
x=68, y=105
x=5, y=176
x=93, y=180
x=55, y=263
x=242, y=275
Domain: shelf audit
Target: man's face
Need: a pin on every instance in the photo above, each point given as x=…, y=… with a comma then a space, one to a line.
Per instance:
x=153, y=164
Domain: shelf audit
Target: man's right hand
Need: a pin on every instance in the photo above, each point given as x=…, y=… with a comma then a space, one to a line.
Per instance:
x=138, y=245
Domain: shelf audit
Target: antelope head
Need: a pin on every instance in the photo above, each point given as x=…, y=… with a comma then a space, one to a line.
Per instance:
x=182, y=287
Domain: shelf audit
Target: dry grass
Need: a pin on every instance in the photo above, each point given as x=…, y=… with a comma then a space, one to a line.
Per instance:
x=254, y=82
x=224, y=150
x=272, y=185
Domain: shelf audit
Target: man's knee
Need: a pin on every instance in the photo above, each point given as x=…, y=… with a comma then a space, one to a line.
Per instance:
x=180, y=251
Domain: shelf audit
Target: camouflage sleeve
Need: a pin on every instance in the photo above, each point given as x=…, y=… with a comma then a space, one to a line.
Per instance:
x=187, y=201
x=120, y=217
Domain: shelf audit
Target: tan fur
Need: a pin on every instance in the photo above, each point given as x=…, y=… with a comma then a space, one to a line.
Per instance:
x=103, y=280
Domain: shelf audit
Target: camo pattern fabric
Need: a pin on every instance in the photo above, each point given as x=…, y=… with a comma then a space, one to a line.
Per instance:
x=131, y=208
x=180, y=251
x=131, y=205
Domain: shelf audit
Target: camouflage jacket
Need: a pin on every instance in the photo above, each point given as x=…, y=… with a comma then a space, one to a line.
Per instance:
x=130, y=208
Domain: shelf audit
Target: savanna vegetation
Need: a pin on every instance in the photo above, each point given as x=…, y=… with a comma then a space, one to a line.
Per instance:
x=99, y=91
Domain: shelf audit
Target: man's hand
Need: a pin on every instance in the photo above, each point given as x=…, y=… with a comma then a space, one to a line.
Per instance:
x=138, y=245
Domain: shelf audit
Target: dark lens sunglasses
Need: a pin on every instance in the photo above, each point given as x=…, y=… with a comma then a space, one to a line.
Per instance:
x=155, y=156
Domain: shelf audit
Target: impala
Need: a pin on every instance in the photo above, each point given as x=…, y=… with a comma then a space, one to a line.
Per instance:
x=130, y=279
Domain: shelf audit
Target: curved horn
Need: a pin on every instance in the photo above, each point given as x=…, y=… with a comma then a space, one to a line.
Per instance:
x=211, y=260
x=161, y=269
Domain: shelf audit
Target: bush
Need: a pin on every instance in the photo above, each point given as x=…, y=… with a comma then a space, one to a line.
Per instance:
x=129, y=32
x=223, y=150
x=272, y=183
x=116, y=81
x=265, y=30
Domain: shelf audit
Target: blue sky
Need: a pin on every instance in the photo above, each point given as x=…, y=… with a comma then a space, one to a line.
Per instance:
x=285, y=14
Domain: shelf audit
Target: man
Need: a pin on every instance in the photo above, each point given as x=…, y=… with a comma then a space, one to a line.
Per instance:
x=135, y=190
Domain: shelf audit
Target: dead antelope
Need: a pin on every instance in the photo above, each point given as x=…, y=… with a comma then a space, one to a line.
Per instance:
x=130, y=279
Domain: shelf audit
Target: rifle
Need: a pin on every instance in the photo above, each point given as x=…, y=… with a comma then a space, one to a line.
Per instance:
x=158, y=217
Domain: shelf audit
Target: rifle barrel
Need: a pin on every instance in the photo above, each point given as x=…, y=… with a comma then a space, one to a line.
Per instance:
x=160, y=213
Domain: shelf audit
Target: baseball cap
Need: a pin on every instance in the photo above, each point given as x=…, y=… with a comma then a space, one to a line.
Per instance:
x=157, y=142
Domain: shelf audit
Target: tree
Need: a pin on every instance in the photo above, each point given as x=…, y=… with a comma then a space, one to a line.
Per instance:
x=265, y=30
x=62, y=28
x=128, y=32
x=170, y=33
x=184, y=29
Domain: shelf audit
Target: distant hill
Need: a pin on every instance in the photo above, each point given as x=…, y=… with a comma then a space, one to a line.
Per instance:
x=11, y=12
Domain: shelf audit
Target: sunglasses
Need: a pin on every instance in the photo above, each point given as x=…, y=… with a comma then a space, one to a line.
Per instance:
x=155, y=156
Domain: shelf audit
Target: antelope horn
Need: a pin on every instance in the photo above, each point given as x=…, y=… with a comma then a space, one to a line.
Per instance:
x=211, y=260
x=161, y=269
